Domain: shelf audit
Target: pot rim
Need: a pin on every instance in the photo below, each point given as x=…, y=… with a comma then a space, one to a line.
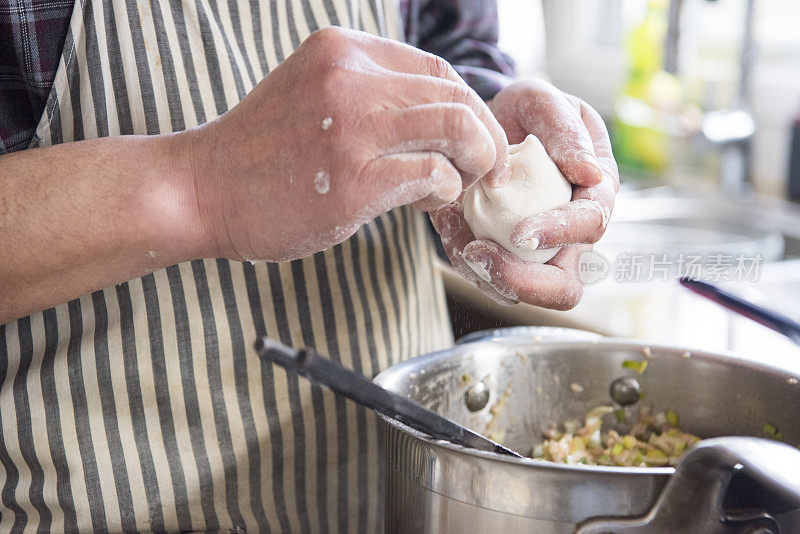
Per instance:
x=517, y=340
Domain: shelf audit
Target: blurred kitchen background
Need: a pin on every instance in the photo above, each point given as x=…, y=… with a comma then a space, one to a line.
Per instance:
x=701, y=98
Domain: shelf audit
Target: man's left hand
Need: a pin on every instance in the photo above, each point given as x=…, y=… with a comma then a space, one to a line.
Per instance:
x=576, y=139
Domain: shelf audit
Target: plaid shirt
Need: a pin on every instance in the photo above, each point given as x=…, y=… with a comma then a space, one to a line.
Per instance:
x=464, y=32
x=32, y=34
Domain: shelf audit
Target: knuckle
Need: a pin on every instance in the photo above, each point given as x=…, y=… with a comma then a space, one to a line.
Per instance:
x=435, y=166
x=429, y=166
x=578, y=104
x=589, y=110
x=541, y=101
x=460, y=118
x=538, y=85
x=438, y=66
x=333, y=82
x=610, y=168
x=459, y=93
x=326, y=38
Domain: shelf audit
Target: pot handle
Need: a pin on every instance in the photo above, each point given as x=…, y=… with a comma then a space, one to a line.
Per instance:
x=692, y=500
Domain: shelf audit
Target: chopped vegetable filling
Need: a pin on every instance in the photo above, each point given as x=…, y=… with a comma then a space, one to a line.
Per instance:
x=773, y=431
x=638, y=366
x=654, y=441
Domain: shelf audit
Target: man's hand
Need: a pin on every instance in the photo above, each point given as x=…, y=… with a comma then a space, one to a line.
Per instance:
x=348, y=127
x=576, y=139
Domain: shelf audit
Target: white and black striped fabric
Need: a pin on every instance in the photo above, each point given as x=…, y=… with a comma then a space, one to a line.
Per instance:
x=143, y=406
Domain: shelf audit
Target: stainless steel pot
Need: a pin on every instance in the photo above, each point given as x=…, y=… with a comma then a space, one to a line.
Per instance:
x=436, y=487
x=535, y=333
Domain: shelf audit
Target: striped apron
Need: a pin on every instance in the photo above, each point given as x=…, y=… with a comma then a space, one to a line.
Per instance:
x=143, y=406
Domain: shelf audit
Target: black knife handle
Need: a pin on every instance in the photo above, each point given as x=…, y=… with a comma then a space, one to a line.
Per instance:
x=770, y=319
x=308, y=363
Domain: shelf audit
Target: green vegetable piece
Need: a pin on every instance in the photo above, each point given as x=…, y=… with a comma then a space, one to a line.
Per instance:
x=617, y=448
x=639, y=366
x=620, y=415
x=672, y=417
x=772, y=430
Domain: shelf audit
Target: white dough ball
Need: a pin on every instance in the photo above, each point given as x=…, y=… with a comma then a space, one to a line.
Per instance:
x=536, y=185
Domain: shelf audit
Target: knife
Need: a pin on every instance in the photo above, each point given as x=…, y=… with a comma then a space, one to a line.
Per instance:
x=316, y=368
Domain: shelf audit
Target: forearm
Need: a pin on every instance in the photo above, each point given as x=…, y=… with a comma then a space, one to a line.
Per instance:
x=81, y=216
x=346, y=128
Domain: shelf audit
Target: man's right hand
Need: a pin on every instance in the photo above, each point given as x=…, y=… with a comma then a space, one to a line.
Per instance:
x=348, y=127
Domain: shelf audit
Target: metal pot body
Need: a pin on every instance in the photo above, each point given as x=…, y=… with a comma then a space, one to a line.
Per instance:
x=435, y=487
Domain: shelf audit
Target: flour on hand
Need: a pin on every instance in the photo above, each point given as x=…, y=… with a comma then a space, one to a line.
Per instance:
x=322, y=182
x=536, y=185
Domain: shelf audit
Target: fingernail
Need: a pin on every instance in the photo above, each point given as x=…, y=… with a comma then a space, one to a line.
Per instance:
x=530, y=244
x=503, y=174
x=448, y=223
x=480, y=262
x=605, y=215
x=506, y=292
x=528, y=241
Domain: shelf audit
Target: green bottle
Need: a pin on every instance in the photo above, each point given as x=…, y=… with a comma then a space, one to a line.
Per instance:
x=639, y=136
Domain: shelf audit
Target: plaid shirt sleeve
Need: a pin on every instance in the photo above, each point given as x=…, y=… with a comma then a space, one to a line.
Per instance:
x=32, y=34
x=464, y=32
